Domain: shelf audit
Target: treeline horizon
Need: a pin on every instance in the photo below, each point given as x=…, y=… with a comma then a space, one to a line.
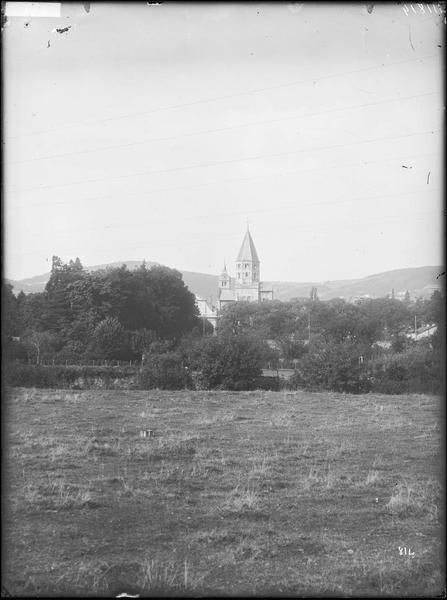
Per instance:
x=148, y=315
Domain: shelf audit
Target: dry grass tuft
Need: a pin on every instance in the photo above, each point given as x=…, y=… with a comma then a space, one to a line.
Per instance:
x=241, y=498
x=28, y=396
x=244, y=550
x=322, y=476
x=220, y=417
x=60, y=452
x=261, y=467
x=340, y=449
x=166, y=576
x=57, y=494
x=378, y=461
x=395, y=423
x=99, y=448
x=283, y=420
x=214, y=536
x=372, y=477
x=419, y=498
x=158, y=575
x=90, y=572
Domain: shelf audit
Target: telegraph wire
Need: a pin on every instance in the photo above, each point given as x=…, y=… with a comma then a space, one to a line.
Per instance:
x=220, y=182
x=224, y=162
x=219, y=129
x=288, y=206
x=224, y=97
x=352, y=223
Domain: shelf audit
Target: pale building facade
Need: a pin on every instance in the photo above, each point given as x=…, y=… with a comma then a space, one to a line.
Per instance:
x=206, y=311
x=246, y=285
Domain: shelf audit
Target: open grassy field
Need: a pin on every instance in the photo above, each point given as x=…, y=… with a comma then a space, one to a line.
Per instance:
x=262, y=493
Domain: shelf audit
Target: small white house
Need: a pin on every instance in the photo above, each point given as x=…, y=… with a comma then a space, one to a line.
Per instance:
x=422, y=333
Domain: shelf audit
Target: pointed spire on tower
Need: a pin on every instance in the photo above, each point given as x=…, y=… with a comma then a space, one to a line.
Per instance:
x=248, y=250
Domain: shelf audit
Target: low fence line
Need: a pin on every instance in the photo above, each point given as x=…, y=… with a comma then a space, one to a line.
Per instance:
x=80, y=363
x=271, y=366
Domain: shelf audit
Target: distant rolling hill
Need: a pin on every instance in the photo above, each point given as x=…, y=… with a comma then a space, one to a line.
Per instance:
x=419, y=281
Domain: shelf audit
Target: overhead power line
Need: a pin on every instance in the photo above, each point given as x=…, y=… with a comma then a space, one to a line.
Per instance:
x=220, y=129
x=144, y=193
x=224, y=162
x=225, y=97
x=217, y=216
x=296, y=228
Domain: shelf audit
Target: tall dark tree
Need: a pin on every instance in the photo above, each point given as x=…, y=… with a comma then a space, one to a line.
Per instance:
x=58, y=315
x=10, y=325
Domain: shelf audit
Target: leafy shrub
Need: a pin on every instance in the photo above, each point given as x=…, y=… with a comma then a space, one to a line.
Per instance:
x=331, y=366
x=272, y=384
x=164, y=371
x=228, y=362
x=416, y=370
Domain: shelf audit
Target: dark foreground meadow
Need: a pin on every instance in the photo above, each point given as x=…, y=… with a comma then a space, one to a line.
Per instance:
x=237, y=493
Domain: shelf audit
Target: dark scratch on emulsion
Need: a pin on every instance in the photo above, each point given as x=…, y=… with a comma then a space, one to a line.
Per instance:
x=409, y=37
x=428, y=177
x=63, y=29
x=440, y=275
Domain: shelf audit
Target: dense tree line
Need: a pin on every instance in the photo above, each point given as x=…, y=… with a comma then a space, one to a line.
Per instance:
x=110, y=314
x=149, y=315
x=333, y=346
x=292, y=324
x=336, y=345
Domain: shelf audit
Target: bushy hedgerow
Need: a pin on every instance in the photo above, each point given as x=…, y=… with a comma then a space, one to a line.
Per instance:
x=272, y=384
x=331, y=366
x=416, y=370
x=54, y=376
x=164, y=371
x=228, y=362
x=337, y=367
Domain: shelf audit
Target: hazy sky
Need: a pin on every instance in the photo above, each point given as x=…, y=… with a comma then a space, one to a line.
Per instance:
x=155, y=131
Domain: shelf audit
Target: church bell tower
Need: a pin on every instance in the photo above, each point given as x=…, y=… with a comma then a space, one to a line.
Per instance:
x=247, y=281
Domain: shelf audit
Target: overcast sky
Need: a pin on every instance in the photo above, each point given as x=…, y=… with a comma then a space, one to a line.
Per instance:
x=154, y=132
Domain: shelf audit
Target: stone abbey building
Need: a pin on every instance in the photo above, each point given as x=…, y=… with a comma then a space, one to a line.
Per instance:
x=246, y=285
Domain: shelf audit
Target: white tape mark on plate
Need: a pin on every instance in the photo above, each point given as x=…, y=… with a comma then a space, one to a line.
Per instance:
x=33, y=9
